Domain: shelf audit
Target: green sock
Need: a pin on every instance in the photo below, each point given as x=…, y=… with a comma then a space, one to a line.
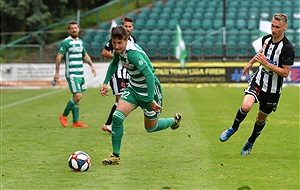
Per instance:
x=162, y=123
x=75, y=112
x=69, y=107
x=117, y=131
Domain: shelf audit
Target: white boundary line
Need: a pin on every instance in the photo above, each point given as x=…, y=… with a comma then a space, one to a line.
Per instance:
x=29, y=99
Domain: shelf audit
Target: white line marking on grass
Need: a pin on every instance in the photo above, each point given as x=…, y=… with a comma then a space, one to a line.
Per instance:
x=29, y=99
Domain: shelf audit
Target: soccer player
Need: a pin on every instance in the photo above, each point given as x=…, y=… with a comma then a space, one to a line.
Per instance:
x=119, y=80
x=144, y=90
x=74, y=53
x=276, y=59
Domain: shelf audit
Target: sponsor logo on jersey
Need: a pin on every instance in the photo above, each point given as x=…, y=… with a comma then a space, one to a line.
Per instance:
x=141, y=62
x=264, y=46
x=76, y=49
x=272, y=62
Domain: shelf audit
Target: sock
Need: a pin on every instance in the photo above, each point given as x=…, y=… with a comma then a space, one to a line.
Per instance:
x=240, y=116
x=75, y=112
x=162, y=123
x=258, y=127
x=117, y=131
x=69, y=107
x=109, y=119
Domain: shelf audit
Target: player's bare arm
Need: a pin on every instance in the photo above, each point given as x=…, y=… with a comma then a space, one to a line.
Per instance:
x=284, y=71
x=58, y=59
x=88, y=60
x=247, y=67
x=104, y=90
x=107, y=54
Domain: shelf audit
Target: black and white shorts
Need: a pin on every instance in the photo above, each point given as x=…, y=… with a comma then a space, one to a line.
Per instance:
x=267, y=101
x=118, y=85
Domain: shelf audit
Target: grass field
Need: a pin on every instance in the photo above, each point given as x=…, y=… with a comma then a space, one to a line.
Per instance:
x=35, y=147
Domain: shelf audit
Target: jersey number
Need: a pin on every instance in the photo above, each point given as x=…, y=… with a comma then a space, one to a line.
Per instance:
x=125, y=94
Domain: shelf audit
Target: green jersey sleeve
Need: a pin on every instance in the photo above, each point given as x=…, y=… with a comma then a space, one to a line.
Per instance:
x=113, y=65
x=143, y=64
x=63, y=47
x=150, y=83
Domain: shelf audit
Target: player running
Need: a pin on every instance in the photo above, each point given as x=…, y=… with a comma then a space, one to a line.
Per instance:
x=276, y=59
x=144, y=90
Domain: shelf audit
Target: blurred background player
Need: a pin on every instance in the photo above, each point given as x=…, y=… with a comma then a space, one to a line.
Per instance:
x=74, y=53
x=119, y=80
x=143, y=90
x=276, y=59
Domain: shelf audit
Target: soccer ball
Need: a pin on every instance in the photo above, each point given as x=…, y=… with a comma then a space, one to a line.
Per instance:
x=79, y=161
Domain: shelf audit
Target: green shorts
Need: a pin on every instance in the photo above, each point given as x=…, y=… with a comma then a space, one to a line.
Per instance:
x=76, y=84
x=129, y=95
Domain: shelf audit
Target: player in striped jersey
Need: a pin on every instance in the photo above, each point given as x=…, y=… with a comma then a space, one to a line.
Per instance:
x=74, y=53
x=276, y=59
x=144, y=90
x=119, y=80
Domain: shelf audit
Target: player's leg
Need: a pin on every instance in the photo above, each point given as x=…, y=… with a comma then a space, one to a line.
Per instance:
x=258, y=127
x=78, y=88
x=268, y=103
x=251, y=96
x=64, y=116
x=241, y=114
x=118, y=87
x=75, y=109
x=161, y=123
x=125, y=106
x=107, y=125
x=152, y=121
x=70, y=104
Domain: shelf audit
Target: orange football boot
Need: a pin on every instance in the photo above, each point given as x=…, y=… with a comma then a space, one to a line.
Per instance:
x=63, y=120
x=79, y=124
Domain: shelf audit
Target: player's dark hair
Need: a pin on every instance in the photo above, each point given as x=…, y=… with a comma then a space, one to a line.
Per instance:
x=127, y=19
x=118, y=32
x=71, y=22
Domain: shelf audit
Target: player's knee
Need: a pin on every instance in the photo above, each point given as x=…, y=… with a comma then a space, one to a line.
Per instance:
x=118, y=118
x=260, y=119
x=77, y=97
x=246, y=107
x=151, y=129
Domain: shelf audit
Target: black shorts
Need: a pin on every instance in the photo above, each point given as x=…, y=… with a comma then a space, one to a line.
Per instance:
x=118, y=85
x=267, y=101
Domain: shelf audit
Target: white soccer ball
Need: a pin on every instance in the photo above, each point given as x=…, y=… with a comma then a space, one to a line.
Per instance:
x=79, y=161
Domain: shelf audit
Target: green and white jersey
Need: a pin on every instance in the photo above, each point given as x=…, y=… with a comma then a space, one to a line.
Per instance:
x=73, y=51
x=142, y=77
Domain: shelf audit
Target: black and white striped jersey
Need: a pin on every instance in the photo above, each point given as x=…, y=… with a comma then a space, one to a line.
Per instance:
x=280, y=53
x=121, y=72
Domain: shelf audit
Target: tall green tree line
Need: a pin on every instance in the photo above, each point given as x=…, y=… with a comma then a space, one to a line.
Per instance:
x=31, y=15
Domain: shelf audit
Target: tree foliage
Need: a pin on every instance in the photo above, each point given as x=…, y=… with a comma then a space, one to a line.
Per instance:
x=32, y=15
x=23, y=15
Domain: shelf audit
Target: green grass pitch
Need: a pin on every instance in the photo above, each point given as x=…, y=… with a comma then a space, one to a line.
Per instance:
x=35, y=147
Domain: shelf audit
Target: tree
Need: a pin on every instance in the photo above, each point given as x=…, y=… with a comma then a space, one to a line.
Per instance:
x=23, y=15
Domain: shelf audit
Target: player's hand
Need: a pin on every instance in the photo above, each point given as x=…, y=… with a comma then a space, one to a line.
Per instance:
x=246, y=70
x=261, y=58
x=94, y=71
x=104, y=90
x=56, y=77
x=154, y=106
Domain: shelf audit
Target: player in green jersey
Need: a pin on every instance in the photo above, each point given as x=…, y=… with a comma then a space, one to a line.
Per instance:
x=74, y=53
x=144, y=90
